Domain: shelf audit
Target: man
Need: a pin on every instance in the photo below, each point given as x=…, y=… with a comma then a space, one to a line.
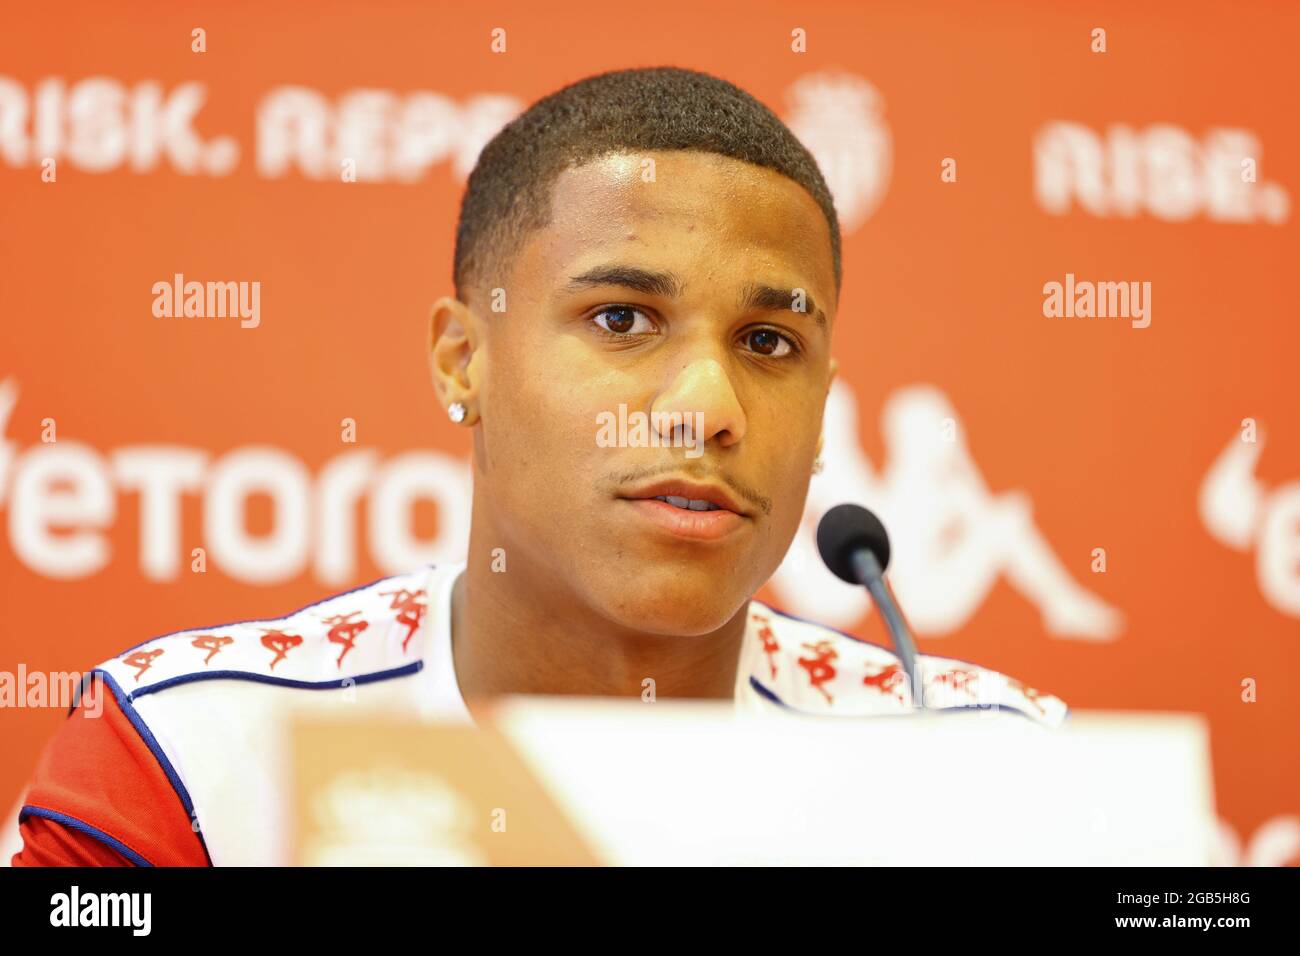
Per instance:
x=647, y=273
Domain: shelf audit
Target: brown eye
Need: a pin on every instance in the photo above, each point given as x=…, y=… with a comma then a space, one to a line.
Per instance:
x=768, y=342
x=622, y=319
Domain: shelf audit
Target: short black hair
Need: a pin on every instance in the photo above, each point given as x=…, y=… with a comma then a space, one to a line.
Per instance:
x=655, y=108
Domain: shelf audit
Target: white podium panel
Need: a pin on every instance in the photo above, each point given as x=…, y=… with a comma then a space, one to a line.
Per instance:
x=573, y=781
x=669, y=783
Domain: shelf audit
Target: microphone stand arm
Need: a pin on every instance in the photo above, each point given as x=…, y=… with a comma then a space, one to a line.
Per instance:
x=872, y=576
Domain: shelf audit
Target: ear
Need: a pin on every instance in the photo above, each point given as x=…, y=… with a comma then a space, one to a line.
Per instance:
x=821, y=438
x=455, y=334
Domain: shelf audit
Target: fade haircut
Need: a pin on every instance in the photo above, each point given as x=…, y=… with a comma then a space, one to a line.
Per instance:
x=658, y=108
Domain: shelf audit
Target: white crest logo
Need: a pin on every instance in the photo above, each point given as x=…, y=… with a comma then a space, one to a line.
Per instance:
x=839, y=117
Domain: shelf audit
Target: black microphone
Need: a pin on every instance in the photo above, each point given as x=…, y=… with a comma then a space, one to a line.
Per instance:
x=855, y=546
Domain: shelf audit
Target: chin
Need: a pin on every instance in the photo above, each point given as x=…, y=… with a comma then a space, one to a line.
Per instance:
x=675, y=600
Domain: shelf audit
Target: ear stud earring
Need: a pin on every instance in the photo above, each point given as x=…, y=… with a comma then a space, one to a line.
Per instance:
x=456, y=412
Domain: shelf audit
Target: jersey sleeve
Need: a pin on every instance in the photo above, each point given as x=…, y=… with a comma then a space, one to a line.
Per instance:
x=46, y=843
x=100, y=797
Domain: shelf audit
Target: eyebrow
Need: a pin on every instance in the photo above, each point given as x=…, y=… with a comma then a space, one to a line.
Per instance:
x=772, y=299
x=663, y=284
x=668, y=285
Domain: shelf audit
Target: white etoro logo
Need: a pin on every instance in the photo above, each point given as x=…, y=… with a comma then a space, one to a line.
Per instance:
x=1240, y=512
x=62, y=498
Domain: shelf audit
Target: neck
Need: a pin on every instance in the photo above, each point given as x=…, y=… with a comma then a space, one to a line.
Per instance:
x=525, y=631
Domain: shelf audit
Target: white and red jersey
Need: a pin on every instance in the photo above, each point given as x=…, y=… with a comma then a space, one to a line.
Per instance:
x=181, y=768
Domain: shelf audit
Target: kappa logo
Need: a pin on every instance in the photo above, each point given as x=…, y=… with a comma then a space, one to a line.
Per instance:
x=211, y=643
x=819, y=666
x=410, y=608
x=888, y=680
x=953, y=537
x=1031, y=694
x=142, y=661
x=344, y=631
x=960, y=680
x=279, y=643
x=768, y=640
x=839, y=117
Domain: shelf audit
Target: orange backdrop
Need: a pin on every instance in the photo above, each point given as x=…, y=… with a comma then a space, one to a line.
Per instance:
x=1169, y=157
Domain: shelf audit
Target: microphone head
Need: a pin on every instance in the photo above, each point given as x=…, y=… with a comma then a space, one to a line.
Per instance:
x=843, y=531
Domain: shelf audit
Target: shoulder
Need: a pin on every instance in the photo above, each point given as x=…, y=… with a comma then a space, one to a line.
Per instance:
x=813, y=668
x=102, y=795
x=181, y=769
x=370, y=633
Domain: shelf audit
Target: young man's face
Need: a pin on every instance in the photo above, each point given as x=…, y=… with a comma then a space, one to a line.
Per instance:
x=640, y=293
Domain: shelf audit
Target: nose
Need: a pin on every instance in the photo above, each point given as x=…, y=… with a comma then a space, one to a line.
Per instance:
x=701, y=386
